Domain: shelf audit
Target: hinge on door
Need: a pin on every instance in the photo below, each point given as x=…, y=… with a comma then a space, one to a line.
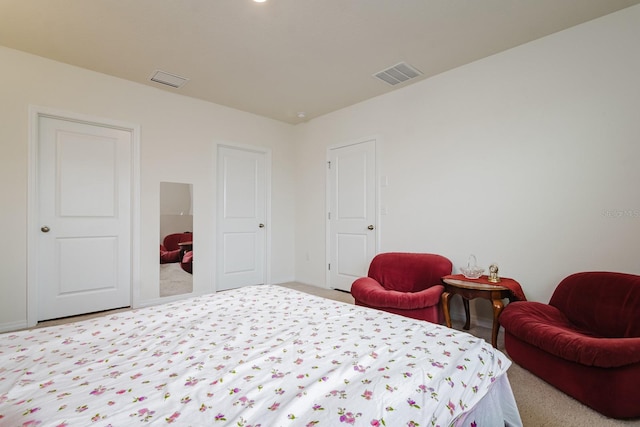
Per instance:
x=329, y=266
x=329, y=165
x=328, y=215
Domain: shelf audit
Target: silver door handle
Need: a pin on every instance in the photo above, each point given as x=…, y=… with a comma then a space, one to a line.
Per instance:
x=370, y=227
x=45, y=229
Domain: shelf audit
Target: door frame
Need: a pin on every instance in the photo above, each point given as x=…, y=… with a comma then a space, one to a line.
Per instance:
x=35, y=112
x=377, y=143
x=217, y=197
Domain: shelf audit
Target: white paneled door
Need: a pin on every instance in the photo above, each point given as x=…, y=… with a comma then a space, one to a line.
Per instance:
x=84, y=212
x=352, y=212
x=242, y=217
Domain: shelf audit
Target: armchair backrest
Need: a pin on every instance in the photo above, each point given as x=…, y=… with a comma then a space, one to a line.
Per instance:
x=604, y=303
x=409, y=272
x=171, y=241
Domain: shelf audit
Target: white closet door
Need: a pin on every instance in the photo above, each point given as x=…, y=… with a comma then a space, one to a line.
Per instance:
x=241, y=237
x=84, y=211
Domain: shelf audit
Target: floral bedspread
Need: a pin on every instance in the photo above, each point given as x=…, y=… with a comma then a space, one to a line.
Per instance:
x=257, y=356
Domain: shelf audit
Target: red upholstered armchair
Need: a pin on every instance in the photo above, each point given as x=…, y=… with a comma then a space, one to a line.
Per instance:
x=404, y=283
x=585, y=342
x=177, y=248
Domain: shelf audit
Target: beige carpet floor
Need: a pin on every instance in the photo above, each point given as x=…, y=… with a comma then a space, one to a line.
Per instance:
x=174, y=280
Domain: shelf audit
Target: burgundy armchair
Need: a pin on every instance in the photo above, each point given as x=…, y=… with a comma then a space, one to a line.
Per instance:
x=404, y=283
x=176, y=248
x=585, y=342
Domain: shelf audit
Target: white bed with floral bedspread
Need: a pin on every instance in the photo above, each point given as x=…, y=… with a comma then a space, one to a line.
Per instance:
x=256, y=356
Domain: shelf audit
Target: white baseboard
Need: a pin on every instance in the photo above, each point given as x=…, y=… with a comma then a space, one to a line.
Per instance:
x=13, y=326
x=459, y=317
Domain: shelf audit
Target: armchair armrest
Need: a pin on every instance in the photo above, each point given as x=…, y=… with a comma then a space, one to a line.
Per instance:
x=370, y=292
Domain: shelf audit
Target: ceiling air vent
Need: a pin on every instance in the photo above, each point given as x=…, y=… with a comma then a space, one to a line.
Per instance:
x=399, y=73
x=168, y=79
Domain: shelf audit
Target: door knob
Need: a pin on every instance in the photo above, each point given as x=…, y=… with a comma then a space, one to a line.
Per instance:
x=44, y=229
x=370, y=227
x=261, y=225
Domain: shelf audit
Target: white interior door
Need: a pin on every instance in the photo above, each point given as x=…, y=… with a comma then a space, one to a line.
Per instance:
x=84, y=211
x=241, y=237
x=352, y=212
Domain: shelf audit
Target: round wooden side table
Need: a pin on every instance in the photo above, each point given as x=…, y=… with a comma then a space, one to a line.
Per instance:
x=470, y=290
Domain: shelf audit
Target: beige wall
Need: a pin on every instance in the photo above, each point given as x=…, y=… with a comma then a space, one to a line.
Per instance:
x=177, y=144
x=176, y=208
x=528, y=158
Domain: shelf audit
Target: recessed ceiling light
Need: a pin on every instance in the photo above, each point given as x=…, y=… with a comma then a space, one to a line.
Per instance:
x=259, y=1
x=301, y=114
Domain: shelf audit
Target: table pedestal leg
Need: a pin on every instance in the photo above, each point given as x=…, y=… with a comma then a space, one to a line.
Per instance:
x=444, y=299
x=467, y=324
x=498, y=305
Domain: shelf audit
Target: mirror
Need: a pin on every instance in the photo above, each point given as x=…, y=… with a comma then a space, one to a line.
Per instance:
x=176, y=238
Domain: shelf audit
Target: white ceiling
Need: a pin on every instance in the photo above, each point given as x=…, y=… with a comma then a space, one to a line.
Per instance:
x=282, y=57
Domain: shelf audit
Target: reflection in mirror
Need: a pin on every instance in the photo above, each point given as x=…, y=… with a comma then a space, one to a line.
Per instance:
x=176, y=238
